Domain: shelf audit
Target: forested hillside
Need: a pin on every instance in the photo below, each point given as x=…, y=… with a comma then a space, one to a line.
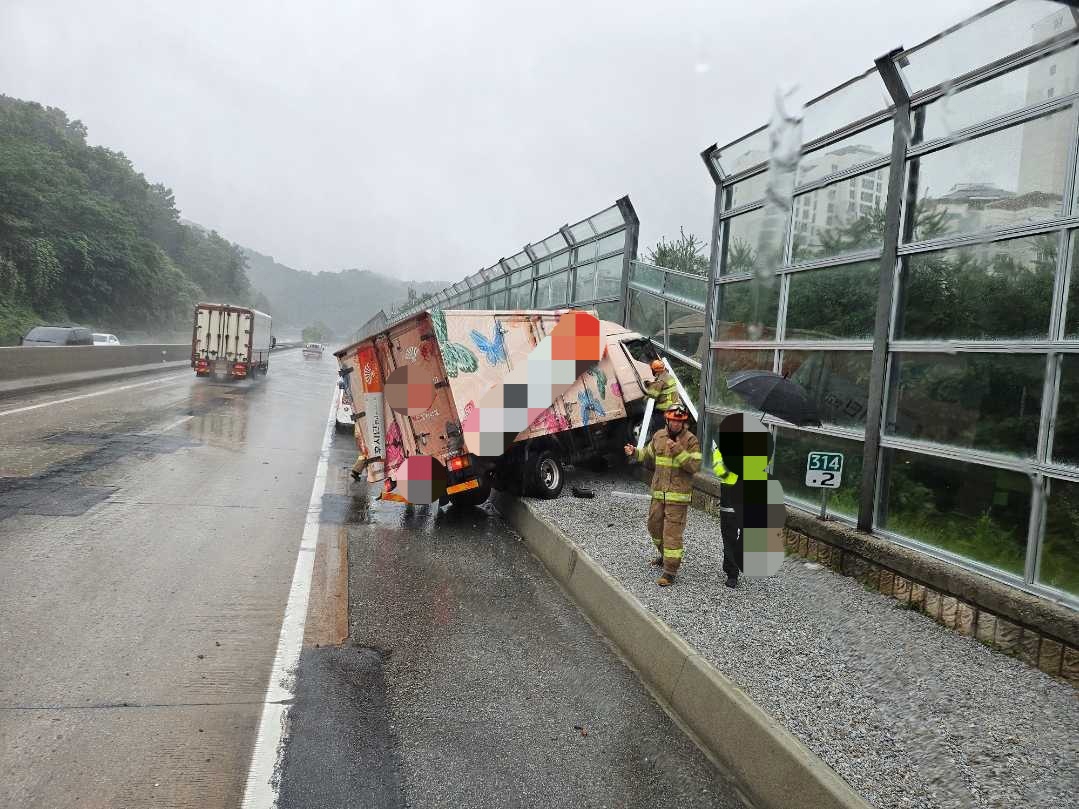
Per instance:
x=342, y=300
x=84, y=237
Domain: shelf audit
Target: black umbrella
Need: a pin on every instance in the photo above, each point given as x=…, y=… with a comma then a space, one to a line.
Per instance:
x=775, y=395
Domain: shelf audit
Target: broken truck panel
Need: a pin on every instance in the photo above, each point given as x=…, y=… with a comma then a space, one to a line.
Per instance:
x=466, y=353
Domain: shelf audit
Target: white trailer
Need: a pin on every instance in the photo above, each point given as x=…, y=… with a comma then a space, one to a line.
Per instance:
x=230, y=342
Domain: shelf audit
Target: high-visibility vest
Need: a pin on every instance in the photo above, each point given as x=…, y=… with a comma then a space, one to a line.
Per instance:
x=676, y=461
x=664, y=390
x=720, y=471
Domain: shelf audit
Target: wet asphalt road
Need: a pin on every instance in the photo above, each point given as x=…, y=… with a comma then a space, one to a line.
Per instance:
x=147, y=542
x=469, y=679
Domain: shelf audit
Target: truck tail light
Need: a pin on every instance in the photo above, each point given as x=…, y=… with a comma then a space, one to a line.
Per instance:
x=239, y=369
x=459, y=463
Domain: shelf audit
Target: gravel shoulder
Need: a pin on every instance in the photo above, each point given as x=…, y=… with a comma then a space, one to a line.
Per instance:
x=909, y=713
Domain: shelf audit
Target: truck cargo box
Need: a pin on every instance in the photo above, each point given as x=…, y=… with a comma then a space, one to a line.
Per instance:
x=230, y=341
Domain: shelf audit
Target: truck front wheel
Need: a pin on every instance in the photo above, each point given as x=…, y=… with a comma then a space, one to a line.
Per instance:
x=547, y=475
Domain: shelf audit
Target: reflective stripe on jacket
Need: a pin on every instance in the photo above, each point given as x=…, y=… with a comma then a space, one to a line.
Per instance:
x=721, y=471
x=676, y=461
x=664, y=390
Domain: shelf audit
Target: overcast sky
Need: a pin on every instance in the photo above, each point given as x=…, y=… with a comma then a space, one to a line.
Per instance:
x=426, y=140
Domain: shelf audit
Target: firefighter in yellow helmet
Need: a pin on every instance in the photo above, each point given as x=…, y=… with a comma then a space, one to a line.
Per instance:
x=675, y=454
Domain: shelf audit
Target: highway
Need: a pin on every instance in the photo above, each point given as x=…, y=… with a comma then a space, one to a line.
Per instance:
x=150, y=529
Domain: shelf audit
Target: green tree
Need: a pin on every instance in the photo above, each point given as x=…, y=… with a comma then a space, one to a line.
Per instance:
x=686, y=253
x=317, y=333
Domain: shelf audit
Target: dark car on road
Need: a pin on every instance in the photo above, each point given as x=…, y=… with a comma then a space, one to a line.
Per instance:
x=58, y=336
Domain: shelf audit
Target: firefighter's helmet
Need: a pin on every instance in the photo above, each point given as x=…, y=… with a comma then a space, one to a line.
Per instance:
x=658, y=366
x=677, y=412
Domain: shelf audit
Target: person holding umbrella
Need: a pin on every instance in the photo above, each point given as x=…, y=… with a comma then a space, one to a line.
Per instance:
x=741, y=462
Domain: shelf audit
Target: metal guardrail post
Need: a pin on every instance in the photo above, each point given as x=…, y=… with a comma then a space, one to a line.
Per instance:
x=897, y=88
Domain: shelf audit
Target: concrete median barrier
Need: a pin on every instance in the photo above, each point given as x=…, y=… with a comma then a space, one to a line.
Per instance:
x=773, y=768
x=25, y=370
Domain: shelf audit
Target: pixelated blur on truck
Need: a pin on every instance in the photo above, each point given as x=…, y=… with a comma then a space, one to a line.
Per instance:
x=467, y=353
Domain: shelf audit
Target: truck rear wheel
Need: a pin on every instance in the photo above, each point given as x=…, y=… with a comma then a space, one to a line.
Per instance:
x=472, y=497
x=546, y=475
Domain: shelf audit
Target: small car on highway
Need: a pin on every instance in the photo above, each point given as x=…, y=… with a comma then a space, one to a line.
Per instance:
x=58, y=336
x=313, y=351
x=105, y=339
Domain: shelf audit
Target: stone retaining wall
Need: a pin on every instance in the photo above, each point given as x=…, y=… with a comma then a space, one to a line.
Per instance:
x=1039, y=632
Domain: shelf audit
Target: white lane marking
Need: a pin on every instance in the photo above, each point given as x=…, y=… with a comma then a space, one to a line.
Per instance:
x=88, y=395
x=176, y=423
x=262, y=786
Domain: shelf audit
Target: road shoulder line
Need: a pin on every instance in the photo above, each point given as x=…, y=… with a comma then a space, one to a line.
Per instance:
x=261, y=789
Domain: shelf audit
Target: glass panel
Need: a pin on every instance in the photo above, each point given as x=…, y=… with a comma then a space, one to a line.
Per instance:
x=833, y=303
x=742, y=154
x=685, y=330
x=582, y=231
x=994, y=290
x=611, y=311
x=1007, y=178
x=543, y=267
x=843, y=217
x=610, y=218
x=647, y=276
x=793, y=448
x=1060, y=548
x=742, y=236
x=519, y=296
x=977, y=512
x=858, y=99
x=1008, y=29
x=645, y=314
x=609, y=277
x=729, y=361
x=836, y=381
x=559, y=261
x=520, y=276
x=690, y=378
x=558, y=290
x=539, y=250
x=688, y=287
x=586, y=252
x=543, y=292
x=1071, y=321
x=865, y=147
x=554, y=242
x=1053, y=75
x=499, y=300
x=989, y=402
x=520, y=260
x=1066, y=426
x=748, y=190
x=609, y=244
x=585, y=289
x=736, y=311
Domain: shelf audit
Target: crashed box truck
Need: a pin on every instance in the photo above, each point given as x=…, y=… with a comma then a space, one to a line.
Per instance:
x=230, y=342
x=467, y=353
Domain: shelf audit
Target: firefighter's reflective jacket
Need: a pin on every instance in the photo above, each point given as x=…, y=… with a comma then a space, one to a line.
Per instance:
x=676, y=460
x=664, y=389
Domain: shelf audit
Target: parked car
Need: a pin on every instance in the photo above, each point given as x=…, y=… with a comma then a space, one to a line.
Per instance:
x=105, y=339
x=345, y=422
x=313, y=351
x=58, y=336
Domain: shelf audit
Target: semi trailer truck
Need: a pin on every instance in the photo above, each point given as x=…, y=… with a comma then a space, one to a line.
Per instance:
x=465, y=354
x=230, y=342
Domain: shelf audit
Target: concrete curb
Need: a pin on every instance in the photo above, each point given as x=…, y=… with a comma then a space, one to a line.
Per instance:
x=58, y=381
x=769, y=764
